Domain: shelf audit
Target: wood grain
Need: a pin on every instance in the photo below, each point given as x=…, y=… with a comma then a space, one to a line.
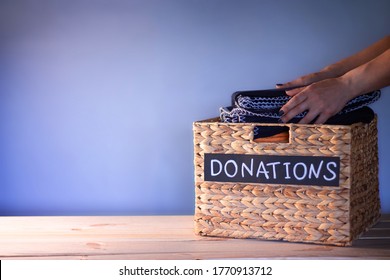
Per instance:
x=161, y=237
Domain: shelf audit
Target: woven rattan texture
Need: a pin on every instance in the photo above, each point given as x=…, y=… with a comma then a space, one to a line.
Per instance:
x=314, y=214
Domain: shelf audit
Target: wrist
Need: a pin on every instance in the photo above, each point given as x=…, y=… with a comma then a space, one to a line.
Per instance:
x=333, y=71
x=351, y=85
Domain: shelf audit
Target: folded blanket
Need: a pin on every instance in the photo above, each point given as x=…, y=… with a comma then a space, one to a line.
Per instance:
x=263, y=107
x=238, y=115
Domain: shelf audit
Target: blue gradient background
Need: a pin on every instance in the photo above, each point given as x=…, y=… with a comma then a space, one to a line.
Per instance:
x=97, y=98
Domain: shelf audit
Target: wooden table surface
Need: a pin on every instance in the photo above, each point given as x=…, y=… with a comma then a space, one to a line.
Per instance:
x=161, y=237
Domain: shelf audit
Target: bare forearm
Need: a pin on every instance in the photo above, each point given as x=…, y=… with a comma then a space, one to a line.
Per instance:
x=343, y=66
x=369, y=76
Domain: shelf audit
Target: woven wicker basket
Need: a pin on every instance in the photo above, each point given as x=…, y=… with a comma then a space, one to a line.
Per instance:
x=297, y=213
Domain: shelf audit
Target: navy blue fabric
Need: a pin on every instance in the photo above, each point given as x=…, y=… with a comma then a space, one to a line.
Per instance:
x=263, y=106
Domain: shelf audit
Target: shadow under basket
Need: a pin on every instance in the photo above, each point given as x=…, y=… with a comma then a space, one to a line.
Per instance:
x=327, y=191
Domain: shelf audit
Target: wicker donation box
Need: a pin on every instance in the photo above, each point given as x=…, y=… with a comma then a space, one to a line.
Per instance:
x=318, y=186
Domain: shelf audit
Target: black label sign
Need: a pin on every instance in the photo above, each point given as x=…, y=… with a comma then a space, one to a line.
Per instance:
x=267, y=169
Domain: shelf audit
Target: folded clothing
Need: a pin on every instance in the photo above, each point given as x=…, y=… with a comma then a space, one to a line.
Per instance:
x=238, y=115
x=263, y=107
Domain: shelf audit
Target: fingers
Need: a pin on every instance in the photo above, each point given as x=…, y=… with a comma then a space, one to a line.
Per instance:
x=294, y=91
x=321, y=119
x=291, y=84
x=314, y=115
x=293, y=107
x=303, y=80
x=303, y=99
x=321, y=100
x=310, y=116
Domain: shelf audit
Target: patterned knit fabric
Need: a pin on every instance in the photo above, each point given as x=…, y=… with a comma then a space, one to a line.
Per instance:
x=263, y=107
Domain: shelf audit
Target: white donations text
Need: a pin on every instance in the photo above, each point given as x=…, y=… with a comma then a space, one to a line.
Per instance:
x=274, y=170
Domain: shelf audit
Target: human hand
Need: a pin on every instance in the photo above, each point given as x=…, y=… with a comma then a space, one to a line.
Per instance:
x=321, y=100
x=326, y=73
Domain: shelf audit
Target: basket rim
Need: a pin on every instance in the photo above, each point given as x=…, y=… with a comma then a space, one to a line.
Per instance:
x=217, y=120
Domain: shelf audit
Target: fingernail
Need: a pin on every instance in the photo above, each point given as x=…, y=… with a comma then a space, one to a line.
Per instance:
x=281, y=113
x=279, y=85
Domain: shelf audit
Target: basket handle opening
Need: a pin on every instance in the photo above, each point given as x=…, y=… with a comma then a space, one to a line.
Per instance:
x=271, y=134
